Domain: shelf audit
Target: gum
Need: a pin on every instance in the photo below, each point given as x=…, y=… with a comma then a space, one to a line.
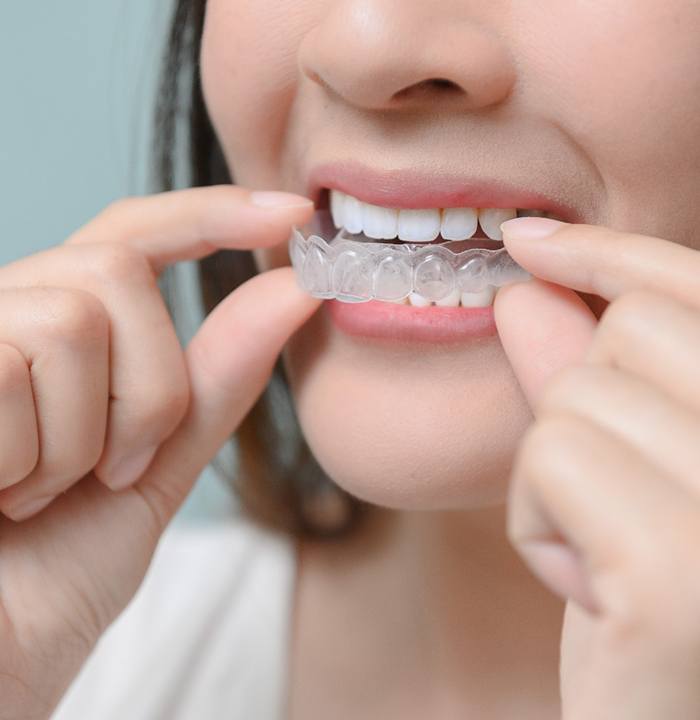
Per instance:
x=359, y=271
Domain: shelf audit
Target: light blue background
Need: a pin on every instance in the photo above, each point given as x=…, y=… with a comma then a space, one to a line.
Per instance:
x=77, y=81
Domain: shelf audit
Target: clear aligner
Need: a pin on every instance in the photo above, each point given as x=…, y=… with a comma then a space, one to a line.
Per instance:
x=359, y=270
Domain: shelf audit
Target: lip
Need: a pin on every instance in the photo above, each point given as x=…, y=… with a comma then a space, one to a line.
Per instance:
x=411, y=189
x=405, y=323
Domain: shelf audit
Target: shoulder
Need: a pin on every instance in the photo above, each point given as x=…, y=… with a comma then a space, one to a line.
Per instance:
x=205, y=635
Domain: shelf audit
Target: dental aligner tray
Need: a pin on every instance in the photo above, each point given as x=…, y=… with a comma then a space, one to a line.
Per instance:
x=359, y=271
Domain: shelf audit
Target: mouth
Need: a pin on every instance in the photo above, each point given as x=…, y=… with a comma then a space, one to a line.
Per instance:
x=419, y=211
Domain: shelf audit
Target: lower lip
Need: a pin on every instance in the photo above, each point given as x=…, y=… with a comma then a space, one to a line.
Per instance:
x=391, y=321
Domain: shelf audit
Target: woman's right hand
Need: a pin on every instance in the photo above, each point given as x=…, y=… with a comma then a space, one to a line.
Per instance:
x=96, y=393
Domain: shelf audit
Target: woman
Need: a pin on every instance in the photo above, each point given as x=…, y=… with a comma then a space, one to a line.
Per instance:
x=529, y=475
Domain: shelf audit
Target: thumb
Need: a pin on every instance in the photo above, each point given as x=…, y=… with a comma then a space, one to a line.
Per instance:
x=229, y=363
x=543, y=327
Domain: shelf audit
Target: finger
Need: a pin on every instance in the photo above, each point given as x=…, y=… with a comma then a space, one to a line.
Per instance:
x=597, y=260
x=19, y=439
x=634, y=411
x=189, y=224
x=149, y=384
x=584, y=501
x=148, y=381
x=655, y=337
x=64, y=337
x=542, y=328
x=229, y=363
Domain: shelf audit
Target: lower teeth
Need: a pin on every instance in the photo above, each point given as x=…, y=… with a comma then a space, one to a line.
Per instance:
x=454, y=299
x=352, y=270
x=477, y=241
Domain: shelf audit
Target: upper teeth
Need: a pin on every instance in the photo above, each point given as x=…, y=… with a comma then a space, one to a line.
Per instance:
x=383, y=223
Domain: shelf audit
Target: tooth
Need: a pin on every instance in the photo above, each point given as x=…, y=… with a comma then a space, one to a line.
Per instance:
x=378, y=222
x=352, y=215
x=484, y=298
x=459, y=223
x=451, y=300
x=338, y=207
x=418, y=300
x=419, y=225
x=491, y=219
x=403, y=301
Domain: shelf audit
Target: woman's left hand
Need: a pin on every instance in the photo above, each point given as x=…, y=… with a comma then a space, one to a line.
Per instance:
x=604, y=502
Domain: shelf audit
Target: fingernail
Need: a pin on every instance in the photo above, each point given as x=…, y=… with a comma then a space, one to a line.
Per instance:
x=129, y=469
x=22, y=512
x=530, y=228
x=274, y=199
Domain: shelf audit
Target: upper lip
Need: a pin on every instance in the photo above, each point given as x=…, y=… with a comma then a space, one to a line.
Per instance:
x=408, y=188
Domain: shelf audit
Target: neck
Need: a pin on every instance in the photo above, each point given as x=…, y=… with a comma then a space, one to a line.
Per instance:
x=488, y=622
x=442, y=596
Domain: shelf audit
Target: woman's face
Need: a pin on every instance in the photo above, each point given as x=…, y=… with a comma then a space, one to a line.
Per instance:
x=594, y=105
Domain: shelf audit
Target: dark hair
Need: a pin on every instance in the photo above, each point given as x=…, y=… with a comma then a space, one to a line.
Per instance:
x=278, y=480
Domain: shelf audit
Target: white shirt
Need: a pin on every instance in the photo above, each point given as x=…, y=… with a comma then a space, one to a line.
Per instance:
x=206, y=636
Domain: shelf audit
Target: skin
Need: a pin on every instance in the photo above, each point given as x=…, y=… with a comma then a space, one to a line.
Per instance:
x=595, y=104
x=553, y=547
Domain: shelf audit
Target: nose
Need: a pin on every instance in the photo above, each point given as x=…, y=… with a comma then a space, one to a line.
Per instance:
x=390, y=54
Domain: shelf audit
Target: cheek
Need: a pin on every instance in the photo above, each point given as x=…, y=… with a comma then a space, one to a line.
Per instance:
x=619, y=71
x=623, y=79
x=249, y=77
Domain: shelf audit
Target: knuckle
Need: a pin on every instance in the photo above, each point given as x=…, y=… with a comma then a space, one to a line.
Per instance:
x=78, y=463
x=14, y=371
x=20, y=464
x=531, y=450
x=119, y=207
x=622, y=325
x=59, y=472
x=565, y=384
x=72, y=315
x=24, y=455
x=625, y=309
x=119, y=263
x=92, y=452
x=111, y=216
x=25, y=461
x=546, y=445
x=534, y=469
x=163, y=406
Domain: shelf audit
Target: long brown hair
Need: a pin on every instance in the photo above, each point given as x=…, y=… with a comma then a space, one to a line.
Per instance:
x=278, y=480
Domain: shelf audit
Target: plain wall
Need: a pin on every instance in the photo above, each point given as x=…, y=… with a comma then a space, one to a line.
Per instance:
x=77, y=80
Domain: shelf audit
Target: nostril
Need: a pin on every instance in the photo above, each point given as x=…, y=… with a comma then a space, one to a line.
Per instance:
x=439, y=85
x=442, y=84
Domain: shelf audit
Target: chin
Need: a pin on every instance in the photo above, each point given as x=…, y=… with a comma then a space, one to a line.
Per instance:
x=432, y=429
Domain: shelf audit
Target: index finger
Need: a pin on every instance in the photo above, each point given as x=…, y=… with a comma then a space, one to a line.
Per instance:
x=595, y=259
x=190, y=224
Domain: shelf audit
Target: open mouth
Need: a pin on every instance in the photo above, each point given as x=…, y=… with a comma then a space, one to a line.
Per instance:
x=414, y=253
x=355, y=251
